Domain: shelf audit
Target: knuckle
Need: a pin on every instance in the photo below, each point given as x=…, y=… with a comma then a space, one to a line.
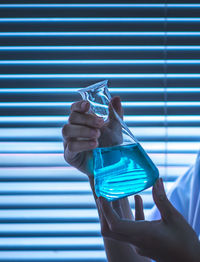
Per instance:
x=70, y=146
x=75, y=105
x=71, y=117
x=65, y=130
x=72, y=106
x=94, y=132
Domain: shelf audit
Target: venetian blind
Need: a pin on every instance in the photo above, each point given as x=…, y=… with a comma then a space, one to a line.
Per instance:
x=149, y=52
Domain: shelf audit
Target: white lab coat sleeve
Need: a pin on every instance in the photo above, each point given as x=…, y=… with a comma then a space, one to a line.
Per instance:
x=179, y=196
x=185, y=196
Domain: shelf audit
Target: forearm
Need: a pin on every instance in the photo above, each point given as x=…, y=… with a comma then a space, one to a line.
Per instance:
x=117, y=251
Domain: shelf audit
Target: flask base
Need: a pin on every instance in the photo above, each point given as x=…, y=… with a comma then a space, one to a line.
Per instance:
x=121, y=171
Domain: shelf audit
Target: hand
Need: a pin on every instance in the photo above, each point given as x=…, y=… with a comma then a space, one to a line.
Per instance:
x=86, y=131
x=169, y=239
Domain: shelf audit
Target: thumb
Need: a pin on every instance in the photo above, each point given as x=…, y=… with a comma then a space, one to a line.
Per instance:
x=114, y=119
x=116, y=105
x=167, y=211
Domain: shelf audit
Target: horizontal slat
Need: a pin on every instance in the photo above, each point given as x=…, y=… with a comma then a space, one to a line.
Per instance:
x=16, y=174
x=103, y=33
x=54, y=134
x=88, y=24
x=96, y=38
x=151, y=76
x=99, y=24
x=50, y=216
x=99, y=19
x=57, y=147
x=44, y=160
x=50, y=229
x=101, y=47
x=59, y=121
x=102, y=5
x=152, y=68
x=184, y=4
x=39, y=256
x=95, y=52
x=143, y=81
x=69, y=192
x=42, y=174
x=51, y=201
x=107, y=67
x=45, y=187
x=124, y=104
x=56, y=243
x=47, y=216
x=71, y=94
x=104, y=62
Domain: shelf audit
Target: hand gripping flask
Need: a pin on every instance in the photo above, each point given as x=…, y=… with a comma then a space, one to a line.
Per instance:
x=121, y=167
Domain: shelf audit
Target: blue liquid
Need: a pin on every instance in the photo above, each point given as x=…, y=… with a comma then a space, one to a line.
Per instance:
x=121, y=171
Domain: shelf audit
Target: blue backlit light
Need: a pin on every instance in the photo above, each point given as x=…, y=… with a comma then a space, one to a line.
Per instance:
x=116, y=61
x=125, y=104
x=101, y=19
x=111, y=89
x=156, y=33
x=110, y=47
x=50, y=76
x=97, y=5
x=130, y=118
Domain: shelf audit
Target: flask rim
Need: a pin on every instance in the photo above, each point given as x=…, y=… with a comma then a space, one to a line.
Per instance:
x=93, y=86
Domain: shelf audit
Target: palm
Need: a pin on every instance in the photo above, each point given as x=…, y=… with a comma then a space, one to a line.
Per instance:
x=83, y=161
x=110, y=135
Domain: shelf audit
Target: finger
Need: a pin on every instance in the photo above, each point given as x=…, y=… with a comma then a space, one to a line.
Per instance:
x=90, y=120
x=166, y=209
x=104, y=225
x=74, y=146
x=110, y=214
x=116, y=103
x=105, y=230
x=125, y=227
x=77, y=131
x=117, y=207
x=80, y=106
x=114, y=119
x=115, y=223
x=139, y=212
x=126, y=208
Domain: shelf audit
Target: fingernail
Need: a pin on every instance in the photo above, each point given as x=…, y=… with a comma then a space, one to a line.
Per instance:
x=83, y=105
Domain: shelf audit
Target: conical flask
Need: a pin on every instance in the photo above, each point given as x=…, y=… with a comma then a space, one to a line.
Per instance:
x=121, y=166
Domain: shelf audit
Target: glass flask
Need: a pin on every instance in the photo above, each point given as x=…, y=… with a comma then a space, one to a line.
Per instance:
x=121, y=167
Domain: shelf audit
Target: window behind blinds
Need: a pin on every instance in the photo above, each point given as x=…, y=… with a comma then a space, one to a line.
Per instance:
x=150, y=53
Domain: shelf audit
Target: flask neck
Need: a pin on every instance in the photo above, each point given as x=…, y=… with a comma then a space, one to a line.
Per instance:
x=99, y=98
